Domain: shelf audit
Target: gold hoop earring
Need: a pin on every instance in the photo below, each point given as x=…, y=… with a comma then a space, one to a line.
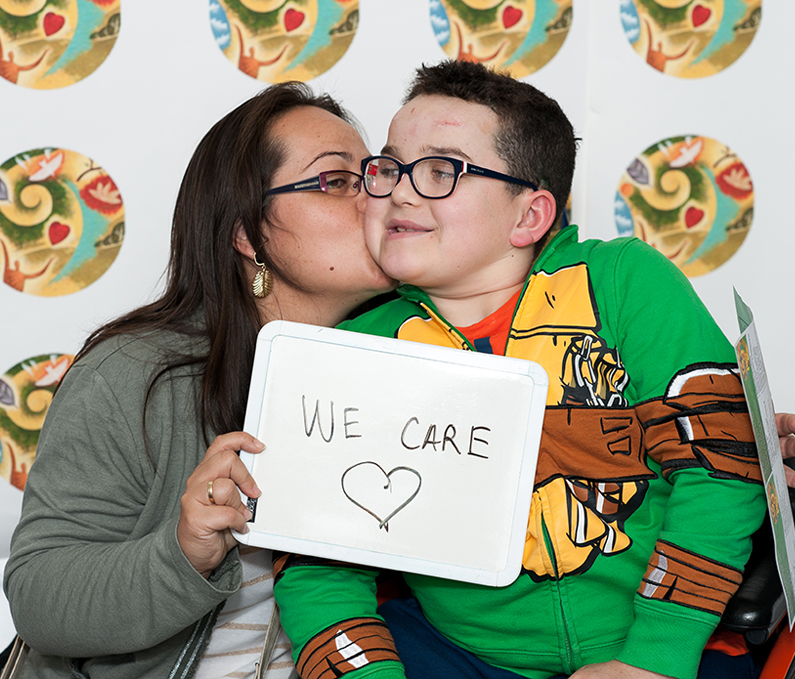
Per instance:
x=263, y=281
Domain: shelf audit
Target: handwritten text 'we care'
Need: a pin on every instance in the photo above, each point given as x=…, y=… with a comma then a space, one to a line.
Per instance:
x=411, y=436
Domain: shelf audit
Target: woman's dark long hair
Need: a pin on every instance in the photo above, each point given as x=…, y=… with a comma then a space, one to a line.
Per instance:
x=225, y=186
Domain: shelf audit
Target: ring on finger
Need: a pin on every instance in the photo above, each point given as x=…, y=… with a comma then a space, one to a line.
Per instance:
x=210, y=492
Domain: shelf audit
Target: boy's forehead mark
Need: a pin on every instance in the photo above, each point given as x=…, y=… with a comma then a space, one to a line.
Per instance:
x=440, y=122
x=443, y=119
x=448, y=122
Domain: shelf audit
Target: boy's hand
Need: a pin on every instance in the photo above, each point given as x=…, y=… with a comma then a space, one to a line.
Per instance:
x=614, y=670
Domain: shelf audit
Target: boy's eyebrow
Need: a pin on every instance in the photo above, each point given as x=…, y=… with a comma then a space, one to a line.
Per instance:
x=389, y=151
x=445, y=151
x=430, y=151
x=342, y=154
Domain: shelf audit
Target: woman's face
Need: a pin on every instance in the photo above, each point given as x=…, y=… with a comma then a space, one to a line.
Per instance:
x=317, y=238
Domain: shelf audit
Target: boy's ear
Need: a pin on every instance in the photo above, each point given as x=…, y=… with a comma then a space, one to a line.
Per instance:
x=538, y=216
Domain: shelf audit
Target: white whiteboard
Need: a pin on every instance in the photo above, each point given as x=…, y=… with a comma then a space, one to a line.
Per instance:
x=393, y=454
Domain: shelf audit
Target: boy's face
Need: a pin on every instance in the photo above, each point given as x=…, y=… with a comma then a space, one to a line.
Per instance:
x=455, y=246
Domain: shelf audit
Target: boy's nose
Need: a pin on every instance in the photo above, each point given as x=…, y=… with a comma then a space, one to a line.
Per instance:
x=404, y=190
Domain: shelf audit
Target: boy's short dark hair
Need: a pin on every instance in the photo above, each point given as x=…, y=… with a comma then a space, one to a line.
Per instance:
x=535, y=138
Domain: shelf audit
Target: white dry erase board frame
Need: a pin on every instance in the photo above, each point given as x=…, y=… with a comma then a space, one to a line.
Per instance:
x=393, y=454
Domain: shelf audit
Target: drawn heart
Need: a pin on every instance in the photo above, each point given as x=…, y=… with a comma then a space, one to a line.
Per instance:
x=693, y=216
x=700, y=15
x=363, y=484
x=511, y=16
x=53, y=23
x=293, y=19
x=58, y=232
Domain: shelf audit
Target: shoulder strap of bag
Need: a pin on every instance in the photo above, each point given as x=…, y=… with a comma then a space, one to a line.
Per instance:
x=271, y=637
x=19, y=651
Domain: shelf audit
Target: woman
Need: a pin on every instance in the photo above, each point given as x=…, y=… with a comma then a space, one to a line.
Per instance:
x=123, y=558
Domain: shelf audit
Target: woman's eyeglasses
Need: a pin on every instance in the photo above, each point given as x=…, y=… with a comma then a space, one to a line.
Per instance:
x=432, y=177
x=336, y=183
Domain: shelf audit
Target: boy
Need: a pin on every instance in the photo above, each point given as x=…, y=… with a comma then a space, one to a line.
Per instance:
x=647, y=488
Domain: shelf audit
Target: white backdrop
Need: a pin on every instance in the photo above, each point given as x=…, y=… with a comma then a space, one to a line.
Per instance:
x=143, y=111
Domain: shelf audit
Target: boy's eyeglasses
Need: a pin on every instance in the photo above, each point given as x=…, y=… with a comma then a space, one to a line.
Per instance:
x=335, y=183
x=432, y=177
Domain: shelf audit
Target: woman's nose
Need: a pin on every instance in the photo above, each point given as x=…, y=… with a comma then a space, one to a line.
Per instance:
x=361, y=200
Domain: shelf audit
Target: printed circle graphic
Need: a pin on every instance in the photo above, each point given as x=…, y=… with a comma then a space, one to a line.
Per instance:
x=280, y=40
x=744, y=358
x=520, y=36
x=26, y=391
x=772, y=501
x=689, y=197
x=61, y=222
x=46, y=44
x=690, y=38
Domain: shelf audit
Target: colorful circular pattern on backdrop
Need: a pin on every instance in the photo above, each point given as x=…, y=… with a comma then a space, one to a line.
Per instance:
x=279, y=40
x=518, y=35
x=689, y=197
x=690, y=38
x=26, y=392
x=61, y=222
x=46, y=44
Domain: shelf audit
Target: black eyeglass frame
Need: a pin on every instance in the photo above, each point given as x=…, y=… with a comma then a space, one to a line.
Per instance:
x=317, y=184
x=460, y=167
